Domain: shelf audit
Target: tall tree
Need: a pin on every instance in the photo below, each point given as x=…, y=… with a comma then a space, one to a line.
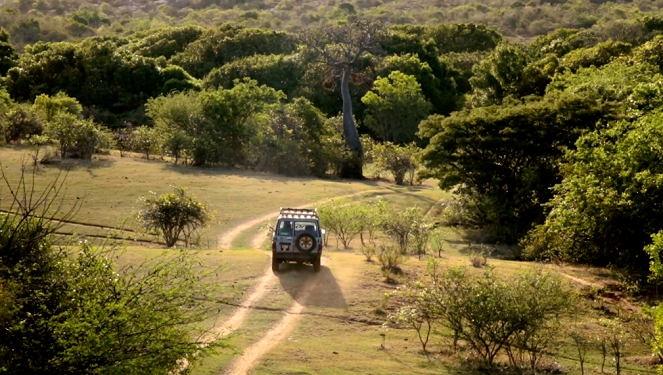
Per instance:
x=341, y=47
x=395, y=107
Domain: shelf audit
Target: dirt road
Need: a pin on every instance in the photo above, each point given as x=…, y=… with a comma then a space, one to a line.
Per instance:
x=279, y=331
x=227, y=238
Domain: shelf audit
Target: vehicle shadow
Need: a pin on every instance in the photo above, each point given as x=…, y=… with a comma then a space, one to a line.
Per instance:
x=327, y=293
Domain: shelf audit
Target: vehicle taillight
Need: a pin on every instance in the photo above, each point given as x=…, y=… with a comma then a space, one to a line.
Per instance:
x=320, y=247
x=273, y=245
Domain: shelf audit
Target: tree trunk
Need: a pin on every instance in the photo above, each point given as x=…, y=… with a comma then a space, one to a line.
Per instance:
x=353, y=167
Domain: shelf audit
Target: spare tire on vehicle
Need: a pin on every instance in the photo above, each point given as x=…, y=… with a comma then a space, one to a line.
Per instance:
x=305, y=243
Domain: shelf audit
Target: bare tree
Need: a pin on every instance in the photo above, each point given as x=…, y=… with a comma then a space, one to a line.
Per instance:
x=341, y=48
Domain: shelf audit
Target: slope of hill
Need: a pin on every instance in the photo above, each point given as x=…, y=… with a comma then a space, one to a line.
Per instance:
x=57, y=20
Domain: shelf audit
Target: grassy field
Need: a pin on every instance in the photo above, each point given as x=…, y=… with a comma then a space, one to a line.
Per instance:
x=110, y=187
x=335, y=327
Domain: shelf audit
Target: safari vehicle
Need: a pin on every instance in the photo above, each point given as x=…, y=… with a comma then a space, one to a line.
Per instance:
x=297, y=238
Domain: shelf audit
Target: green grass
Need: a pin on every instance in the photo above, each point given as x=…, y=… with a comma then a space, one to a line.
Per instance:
x=110, y=186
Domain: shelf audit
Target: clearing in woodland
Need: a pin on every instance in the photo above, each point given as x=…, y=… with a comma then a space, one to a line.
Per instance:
x=297, y=321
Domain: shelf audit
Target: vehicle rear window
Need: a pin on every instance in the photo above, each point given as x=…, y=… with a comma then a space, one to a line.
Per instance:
x=285, y=227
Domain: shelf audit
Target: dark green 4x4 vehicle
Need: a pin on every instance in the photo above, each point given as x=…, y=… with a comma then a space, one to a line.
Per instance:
x=297, y=238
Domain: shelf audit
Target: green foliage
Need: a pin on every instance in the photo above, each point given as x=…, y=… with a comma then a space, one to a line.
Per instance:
x=293, y=139
x=515, y=316
x=219, y=46
x=606, y=208
x=63, y=124
x=218, y=124
x=395, y=107
x=341, y=220
x=281, y=72
x=145, y=140
x=75, y=312
x=599, y=55
x=8, y=56
x=174, y=216
x=504, y=158
x=614, y=82
x=401, y=226
x=166, y=42
x=499, y=75
x=48, y=107
x=398, y=160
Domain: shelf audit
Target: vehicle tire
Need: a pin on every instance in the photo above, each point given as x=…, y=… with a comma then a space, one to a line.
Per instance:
x=305, y=243
x=275, y=264
x=316, y=264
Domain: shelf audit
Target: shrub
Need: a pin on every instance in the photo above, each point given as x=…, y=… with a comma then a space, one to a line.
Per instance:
x=398, y=160
x=400, y=224
x=77, y=137
x=496, y=315
x=368, y=252
x=420, y=235
x=437, y=241
x=341, y=220
x=21, y=123
x=144, y=139
x=390, y=258
x=64, y=312
x=173, y=215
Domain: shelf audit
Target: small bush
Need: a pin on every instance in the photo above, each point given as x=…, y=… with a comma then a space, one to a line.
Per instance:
x=437, y=241
x=479, y=255
x=174, y=216
x=515, y=316
x=368, y=252
x=342, y=220
x=390, y=258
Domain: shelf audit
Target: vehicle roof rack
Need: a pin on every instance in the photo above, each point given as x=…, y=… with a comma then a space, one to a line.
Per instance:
x=298, y=213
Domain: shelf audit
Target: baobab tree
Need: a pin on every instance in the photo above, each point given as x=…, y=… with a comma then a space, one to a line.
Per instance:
x=341, y=46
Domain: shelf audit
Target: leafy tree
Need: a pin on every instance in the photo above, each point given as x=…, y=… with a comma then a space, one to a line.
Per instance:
x=219, y=46
x=294, y=139
x=398, y=160
x=395, y=107
x=281, y=72
x=77, y=137
x=21, y=123
x=144, y=139
x=8, y=56
x=166, y=42
x=607, y=205
x=599, y=55
x=216, y=121
x=499, y=75
x=463, y=37
x=342, y=48
x=505, y=158
x=442, y=90
x=629, y=86
x=48, y=107
x=174, y=216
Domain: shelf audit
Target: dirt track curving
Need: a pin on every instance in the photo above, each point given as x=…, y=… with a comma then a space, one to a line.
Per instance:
x=226, y=239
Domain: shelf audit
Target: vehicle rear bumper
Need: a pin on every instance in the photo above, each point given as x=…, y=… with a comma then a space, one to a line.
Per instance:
x=295, y=256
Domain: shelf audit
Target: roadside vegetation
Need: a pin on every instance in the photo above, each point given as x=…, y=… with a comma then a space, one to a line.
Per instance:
x=499, y=199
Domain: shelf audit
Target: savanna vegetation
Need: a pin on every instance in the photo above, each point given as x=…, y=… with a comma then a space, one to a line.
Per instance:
x=542, y=119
